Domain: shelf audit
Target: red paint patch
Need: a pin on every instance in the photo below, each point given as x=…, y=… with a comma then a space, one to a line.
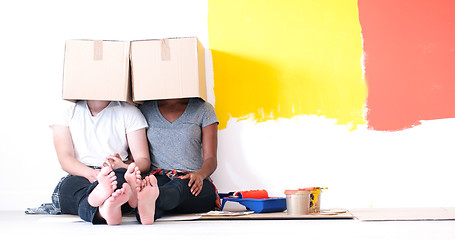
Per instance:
x=410, y=61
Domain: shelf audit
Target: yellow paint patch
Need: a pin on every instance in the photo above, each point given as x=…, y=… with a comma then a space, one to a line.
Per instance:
x=278, y=59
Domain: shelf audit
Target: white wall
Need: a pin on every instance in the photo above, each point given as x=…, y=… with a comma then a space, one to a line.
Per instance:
x=362, y=168
x=32, y=48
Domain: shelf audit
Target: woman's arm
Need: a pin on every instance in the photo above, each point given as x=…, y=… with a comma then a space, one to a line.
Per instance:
x=63, y=144
x=209, y=152
x=137, y=142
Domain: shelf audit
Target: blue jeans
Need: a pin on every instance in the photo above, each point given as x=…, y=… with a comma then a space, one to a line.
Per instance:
x=175, y=197
x=74, y=192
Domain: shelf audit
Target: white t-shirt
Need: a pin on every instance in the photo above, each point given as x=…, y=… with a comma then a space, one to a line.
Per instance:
x=94, y=138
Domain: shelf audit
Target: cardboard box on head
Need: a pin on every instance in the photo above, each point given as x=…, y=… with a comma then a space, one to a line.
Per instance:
x=97, y=70
x=167, y=69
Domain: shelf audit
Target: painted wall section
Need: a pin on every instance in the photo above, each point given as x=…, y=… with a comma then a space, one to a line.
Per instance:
x=279, y=59
x=410, y=59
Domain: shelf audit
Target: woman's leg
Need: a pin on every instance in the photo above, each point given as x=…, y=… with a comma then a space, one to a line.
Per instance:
x=204, y=202
x=147, y=193
x=172, y=194
x=175, y=195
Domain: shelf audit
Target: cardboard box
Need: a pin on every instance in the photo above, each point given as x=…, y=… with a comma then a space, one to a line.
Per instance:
x=168, y=68
x=96, y=70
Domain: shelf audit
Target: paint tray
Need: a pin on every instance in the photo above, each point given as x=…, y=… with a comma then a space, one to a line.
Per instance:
x=260, y=205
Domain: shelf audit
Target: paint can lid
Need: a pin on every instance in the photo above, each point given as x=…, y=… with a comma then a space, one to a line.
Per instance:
x=298, y=191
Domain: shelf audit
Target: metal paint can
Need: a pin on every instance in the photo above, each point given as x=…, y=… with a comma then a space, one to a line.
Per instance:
x=297, y=202
x=315, y=200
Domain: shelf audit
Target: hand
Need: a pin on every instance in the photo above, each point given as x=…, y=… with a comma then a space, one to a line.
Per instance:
x=196, y=182
x=115, y=162
x=92, y=175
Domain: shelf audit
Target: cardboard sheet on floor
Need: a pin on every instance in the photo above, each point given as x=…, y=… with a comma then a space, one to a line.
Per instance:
x=192, y=217
x=403, y=214
x=256, y=216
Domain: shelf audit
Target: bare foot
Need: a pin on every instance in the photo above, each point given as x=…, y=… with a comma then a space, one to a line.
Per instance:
x=111, y=210
x=147, y=193
x=132, y=177
x=106, y=186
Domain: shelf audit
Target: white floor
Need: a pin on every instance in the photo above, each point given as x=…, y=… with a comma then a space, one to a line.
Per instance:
x=17, y=225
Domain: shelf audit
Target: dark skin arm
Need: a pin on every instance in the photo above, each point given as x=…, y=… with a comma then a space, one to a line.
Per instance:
x=209, y=152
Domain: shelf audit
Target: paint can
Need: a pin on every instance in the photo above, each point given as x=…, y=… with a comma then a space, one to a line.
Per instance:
x=297, y=202
x=315, y=200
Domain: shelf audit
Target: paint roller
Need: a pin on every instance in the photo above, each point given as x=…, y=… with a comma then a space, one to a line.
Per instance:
x=254, y=194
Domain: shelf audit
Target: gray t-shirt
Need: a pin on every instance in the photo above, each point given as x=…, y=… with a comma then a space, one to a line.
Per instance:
x=178, y=145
